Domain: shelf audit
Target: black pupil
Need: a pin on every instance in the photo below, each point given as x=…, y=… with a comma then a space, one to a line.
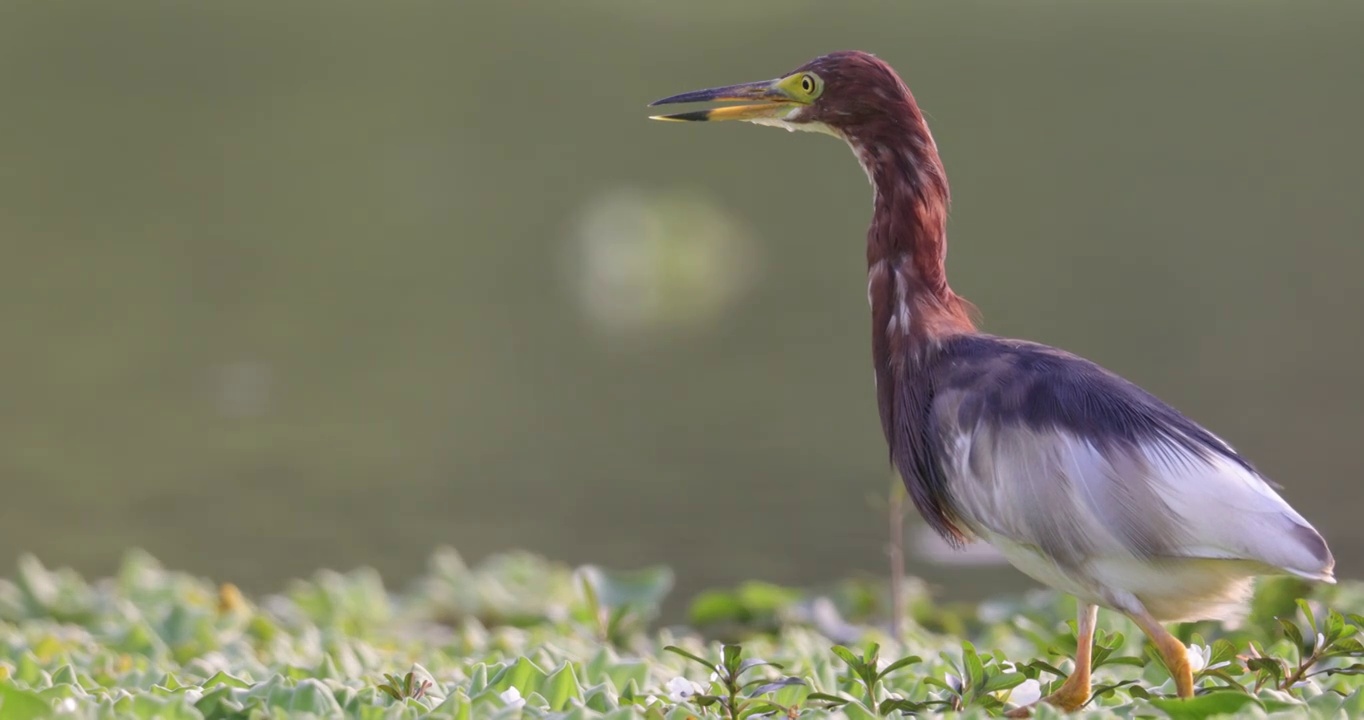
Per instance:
x=806, y=84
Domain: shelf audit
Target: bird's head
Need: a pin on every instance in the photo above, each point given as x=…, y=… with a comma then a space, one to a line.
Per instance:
x=845, y=94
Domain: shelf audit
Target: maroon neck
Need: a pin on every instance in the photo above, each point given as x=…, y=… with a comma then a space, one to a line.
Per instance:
x=912, y=308
x=907, y=240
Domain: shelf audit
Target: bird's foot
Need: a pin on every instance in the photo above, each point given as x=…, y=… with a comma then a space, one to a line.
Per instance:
x=1176, y=658
x=1172, y=651
x=1071, y=696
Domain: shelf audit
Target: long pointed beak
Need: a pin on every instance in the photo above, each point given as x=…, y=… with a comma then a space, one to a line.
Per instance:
x=773, y=103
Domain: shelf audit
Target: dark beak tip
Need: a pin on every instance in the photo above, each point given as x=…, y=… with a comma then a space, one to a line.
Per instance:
x=728, y=92
x=680, y=98
x=693, y=116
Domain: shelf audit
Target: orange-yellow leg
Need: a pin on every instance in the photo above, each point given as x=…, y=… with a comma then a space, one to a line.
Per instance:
x=1074, y=692
x=1174, y=653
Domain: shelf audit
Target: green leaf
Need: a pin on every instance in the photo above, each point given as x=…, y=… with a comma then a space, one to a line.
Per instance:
x=560, y=687
x=751, y=663
x=900, y=705
x=900, y=664
x=67, y=674
x=1046, y=667
x=591, y=599
x=151, y=707
x=311, y=696
x=761, y=707
x=327, y=669
x=1270, y=670
x=858, y=711
x=1104, y=690
x=1290, y=630
x=19, y=704
x=222, y=678
x=625, y=671
x=761, y=597
x=705, y=700
x=716, y=606
x=524, y=675
x=1347, y=646
x=833, y=700
x=847, y=656
x=639, y=588
x=1356, y=669
x=1225, y=677
x=1307, y=613
x=731, y=655
x=1222, y=651
x=600, y=698
x=1003, y=681
x=1100, y=656
x=1324, y=705
x=975, y=670
x=792, y=694
x=939, y=682
x=220, y=703
x=775, y=686
x=1204, y=706
x=1353, y=705
x=710, y=664
x=1335, y=627
x=478, y=679
x=28, y=670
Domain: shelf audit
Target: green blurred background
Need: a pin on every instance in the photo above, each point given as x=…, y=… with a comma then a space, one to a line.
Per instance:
x=289, y=285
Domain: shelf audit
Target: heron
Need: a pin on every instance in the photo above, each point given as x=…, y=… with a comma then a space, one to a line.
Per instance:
x=1081, y=479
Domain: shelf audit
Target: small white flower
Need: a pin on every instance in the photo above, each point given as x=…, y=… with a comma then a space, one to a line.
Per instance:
x=1026, y=693
x=681, y=689
x=953, y=681
x=1321, y=642
x=67, y=705
x=512, y=697
x=1198, y=657
x=194, y=694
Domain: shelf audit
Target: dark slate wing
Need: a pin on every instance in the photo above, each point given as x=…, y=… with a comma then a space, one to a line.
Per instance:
x=1044, y=450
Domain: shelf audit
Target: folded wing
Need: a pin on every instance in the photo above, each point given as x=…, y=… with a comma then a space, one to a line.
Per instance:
x=1052, y=452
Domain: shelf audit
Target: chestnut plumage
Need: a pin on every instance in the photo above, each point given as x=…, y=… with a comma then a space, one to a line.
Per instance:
x=1083, y=480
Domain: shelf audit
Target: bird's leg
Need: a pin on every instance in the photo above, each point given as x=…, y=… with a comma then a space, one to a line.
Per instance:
x=1074, y=692
x=1174, y=653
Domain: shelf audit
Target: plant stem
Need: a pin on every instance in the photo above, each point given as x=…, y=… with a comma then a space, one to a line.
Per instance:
x=1301, y=673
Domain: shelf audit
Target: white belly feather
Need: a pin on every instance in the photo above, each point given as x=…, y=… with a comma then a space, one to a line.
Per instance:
x=1159, y=527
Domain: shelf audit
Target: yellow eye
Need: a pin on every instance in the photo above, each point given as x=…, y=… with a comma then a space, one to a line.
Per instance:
x=802, y=87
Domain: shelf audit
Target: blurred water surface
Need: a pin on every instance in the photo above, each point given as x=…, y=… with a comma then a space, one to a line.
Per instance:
x=327, y=284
